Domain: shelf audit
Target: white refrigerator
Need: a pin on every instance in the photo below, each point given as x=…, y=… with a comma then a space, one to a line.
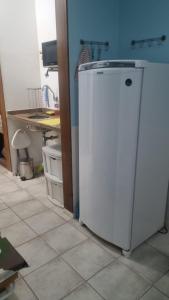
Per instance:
x=123, y=149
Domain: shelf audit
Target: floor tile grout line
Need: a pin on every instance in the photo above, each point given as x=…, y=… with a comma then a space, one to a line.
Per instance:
x=8, y=206
x=146, y=291
x=50, y=209
x=31, y=240
x=73, y=290
x=96, y=291
x=161, y=277
x=36, y=269
x=41, y=234
x=19, y=189
x=88, y=237
x=45, y=208
x=108, y=264
x=58, y=213
x=159, y=251
x=3, y=209
x=33, y=197
x=58, y=256
x=138, y=273
x=117, y=259
x=5, y=227
x=30, y=289
x=161, y=291
x=101, y=243
x=81, y=285
x=37, y=235
x=37, y=213
x=141, y=274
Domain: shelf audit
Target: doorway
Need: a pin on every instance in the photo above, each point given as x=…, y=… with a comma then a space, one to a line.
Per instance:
x=64, y=90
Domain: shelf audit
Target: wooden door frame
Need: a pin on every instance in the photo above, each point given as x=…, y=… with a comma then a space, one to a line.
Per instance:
x=64, y=95
x=7, y=160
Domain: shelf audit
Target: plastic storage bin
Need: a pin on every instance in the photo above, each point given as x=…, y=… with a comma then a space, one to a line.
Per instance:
x=54, y=190
x=52, y=159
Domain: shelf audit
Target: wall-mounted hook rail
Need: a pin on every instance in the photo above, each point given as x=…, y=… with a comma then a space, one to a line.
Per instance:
x=150, y=42
x=94, y=43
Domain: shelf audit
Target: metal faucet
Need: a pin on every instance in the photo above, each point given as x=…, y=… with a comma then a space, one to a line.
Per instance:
x=55, y=98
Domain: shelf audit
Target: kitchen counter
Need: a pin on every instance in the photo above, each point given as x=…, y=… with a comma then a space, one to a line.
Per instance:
x=46, y=118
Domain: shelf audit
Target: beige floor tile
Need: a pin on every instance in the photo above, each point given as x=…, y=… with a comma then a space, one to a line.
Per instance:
x=45, y=201
x=63, y=238
x=147, y=261
x=2, y=206
x=18, y=234
x=154, y=294
x=8, y=187
x=7, y=218
x=44, y=221
x=22, y=292
x=37, y=189
x=115, y=251
x=28, y=183
x=65, y=214
x=84, y=292
x=119, y=282
x=12, y=199
x=36, y=253
x=2, y=170
x=88, y=258
x=160, y=242
x=163, y=284
x=53, y=281
x=4, y=179
x=28, y=208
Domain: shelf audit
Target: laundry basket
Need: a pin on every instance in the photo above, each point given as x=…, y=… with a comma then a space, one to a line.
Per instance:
x=52, y=160
x=54, y=190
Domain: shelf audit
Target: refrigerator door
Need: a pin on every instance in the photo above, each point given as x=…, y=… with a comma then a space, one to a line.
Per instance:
x=109, y=106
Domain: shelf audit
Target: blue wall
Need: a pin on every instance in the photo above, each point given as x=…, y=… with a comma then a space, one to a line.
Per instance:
x=90, y=20
x=119, y=22
x=141, y=19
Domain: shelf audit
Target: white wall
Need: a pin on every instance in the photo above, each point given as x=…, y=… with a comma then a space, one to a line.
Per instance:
x=46, y=29
x=19, y=60
x=18, y=51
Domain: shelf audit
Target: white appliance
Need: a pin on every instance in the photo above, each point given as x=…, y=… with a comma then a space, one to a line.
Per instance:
x=123, y=149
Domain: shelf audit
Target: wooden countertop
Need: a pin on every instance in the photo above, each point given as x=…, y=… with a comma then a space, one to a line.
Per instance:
x=24, y=116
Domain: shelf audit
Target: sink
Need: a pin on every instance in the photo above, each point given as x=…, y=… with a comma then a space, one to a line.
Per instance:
x=38, y=116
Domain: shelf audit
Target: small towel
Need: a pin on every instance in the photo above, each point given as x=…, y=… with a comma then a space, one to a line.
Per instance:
x=85, y=56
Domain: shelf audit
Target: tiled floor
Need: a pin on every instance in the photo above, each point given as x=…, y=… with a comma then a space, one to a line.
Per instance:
x=66, y=260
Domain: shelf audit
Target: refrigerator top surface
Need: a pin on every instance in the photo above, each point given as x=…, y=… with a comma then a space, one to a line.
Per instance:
x=114, y=64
